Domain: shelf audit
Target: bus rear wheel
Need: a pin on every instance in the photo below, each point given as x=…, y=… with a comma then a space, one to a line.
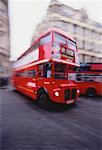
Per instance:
x=91, y=92
x=43, y=99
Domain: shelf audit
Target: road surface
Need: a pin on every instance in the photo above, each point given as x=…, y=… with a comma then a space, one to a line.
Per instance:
x=26, y=126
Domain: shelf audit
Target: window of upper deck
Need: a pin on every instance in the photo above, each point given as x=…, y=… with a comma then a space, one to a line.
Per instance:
x=60, y=38
x=71, y=44
x=46, y=39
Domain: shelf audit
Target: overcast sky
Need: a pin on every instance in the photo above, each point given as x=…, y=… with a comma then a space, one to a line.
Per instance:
x=26, y=14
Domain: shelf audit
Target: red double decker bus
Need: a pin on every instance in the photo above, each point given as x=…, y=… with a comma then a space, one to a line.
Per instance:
x=88, y=78
x=42, y=71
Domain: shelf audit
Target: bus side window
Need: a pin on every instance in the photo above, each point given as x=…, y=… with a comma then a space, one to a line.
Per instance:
x=31, y=73
x=40, y=74
x=40, y=70
x=79, y=77
x=18, y=74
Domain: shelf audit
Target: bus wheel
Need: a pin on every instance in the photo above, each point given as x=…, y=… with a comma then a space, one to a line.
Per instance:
x=43, y=99
x=91, y=92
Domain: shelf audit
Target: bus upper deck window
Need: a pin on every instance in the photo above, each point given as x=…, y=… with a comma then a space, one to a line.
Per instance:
x=71, y=44
x=31, y=73
x=46, y=39
x=60, y=39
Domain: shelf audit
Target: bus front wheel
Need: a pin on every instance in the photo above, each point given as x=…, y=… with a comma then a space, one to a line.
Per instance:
x=91, y=92
x=43, y=99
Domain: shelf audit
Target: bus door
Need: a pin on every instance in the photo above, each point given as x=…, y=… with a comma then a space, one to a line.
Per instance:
x=44, y=74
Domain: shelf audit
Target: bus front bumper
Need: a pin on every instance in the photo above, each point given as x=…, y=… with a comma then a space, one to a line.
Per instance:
x=65, y=95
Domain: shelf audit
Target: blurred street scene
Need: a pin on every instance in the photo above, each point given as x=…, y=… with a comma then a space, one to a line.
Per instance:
x=4, y=43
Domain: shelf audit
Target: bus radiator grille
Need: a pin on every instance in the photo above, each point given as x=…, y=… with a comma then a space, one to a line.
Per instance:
x=67, y=94
x=74, y=92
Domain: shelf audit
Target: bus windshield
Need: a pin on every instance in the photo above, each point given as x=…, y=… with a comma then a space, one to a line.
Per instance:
x=60, y=39
x=60, y=71
x=46, y=39
x=71, y=44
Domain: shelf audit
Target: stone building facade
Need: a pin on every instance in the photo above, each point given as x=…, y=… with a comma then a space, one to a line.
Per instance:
x=4, y=39
x=87, y=32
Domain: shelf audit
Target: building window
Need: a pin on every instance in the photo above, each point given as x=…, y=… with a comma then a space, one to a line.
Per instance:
x=100, y=36
x=100, y=48
x=88, y=59
x=2, y=33
x=94, y=34
x=94, y=59
x=83, y=58
x=70, y=28
x=75, y=28
x=97, y=36
x=80, y=57
x=80, y=43
x=87, y=33
x=90, y=46
x=100, y=60
x=86, y=45
x=83, y=31
x=79, y=30
x=93, y=46
x=83, y=44
x=60, y=24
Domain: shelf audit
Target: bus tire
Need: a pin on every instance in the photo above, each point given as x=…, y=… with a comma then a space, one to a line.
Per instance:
x=91, y=92
x=43, y=99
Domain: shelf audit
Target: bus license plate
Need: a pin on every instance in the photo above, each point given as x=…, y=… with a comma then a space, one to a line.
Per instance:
x=70, y=101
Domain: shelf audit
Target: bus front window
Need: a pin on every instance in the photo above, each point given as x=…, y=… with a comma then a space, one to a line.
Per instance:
x=47, y=70
x=60, y=39
x=46, y=39
x=60, y=71
x=71, y=44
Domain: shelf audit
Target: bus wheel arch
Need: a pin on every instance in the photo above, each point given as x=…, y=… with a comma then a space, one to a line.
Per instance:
x=43, y=98
x=91, y=92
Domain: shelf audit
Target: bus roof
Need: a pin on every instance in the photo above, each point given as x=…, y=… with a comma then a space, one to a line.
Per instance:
x=46, y=32
x=56, y=30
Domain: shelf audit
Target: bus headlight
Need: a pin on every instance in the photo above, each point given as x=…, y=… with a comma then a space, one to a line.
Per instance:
x=56, y=93
x=78, y=91
x=63, y=50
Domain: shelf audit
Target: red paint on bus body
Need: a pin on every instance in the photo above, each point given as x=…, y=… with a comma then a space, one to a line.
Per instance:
x=43, y=68
x=88, y=78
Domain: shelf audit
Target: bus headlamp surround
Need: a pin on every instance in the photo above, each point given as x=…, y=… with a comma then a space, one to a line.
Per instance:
x=63, y=50
x=56, y=93
x=78, y=91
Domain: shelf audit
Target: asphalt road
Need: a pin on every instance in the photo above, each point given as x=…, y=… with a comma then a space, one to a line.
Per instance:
x=25, y=126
